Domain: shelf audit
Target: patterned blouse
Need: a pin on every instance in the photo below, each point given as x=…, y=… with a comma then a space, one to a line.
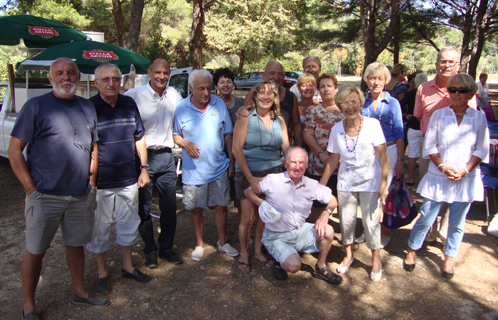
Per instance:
x=320, y=121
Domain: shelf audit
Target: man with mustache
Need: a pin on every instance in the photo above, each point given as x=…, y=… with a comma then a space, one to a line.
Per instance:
x=59, y=176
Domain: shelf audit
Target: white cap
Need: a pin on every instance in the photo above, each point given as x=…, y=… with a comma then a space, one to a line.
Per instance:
x=268, y=214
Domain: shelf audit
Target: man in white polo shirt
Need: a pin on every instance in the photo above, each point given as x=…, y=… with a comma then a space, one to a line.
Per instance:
x=156, y=102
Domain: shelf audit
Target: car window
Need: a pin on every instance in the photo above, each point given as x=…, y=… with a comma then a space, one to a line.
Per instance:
x=180, y=83
x=245, y=76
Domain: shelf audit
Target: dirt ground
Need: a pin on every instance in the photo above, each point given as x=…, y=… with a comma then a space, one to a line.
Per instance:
x=214, y=289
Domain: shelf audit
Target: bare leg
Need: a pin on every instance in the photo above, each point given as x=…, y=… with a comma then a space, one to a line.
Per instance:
x=245, y=226
x=448, y=264
x=127, y=263
x=410, y=256
x=292, y=264
x=198, y=224
x=412, y=164
x=30, y=273
x=101, y=257
x=75, y=259
x=376, y=264
x=324, y=246
x=220, y=219
x=258, y=236
x=348, y=249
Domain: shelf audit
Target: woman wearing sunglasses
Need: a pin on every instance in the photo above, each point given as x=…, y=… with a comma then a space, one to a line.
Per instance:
x=456, y=141
x=257, y=142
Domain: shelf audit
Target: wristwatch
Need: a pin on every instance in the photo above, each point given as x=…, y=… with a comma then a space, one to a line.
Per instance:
x=320, y=152
x=145, y=166
x=328, y=210
x=401, y=159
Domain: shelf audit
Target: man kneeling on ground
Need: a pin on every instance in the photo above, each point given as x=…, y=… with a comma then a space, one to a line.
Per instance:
x=291, y=196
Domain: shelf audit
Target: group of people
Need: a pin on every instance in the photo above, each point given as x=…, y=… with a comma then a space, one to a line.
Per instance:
x=94, y=162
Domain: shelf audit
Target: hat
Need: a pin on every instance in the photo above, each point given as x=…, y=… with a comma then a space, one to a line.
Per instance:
x=268, y=214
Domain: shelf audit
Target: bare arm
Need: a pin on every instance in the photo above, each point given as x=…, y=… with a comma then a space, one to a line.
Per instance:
x=242, y=112
x=191, y=149
x=239, y=139
x=330, y=168
x=310, y=140
x=399, y=169
x=94, y=164
x=323, y=220
x=253, y=197
x=285, y=135
x=19, y=165
x=143, y=178
x=229, y=143
x=384, y=165
x=296, y=124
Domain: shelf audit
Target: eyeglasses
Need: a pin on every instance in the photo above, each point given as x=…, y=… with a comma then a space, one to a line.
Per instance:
x=106, y=80
x=352, y=104
x=450, y=63
x=461, y=90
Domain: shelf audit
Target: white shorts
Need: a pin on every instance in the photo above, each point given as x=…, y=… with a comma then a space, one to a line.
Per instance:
x=120, y=205
x=414, y=137
x=281, y=245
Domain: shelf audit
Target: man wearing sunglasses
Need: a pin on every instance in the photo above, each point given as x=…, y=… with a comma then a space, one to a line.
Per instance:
x=58, y=175
x=431, y=96
x=121, y=134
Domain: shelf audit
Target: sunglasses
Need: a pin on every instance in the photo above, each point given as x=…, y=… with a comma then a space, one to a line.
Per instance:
x=461, y=90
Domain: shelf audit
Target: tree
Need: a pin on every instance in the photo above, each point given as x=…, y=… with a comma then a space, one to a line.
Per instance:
x=197, y=34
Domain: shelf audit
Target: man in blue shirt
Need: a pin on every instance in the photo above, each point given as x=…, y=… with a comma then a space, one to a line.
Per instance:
x=121, y=134
x=60, y=129
x=202, y=127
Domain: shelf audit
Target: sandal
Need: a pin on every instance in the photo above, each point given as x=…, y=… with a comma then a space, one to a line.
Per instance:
x=267, y=264
x=327, y=275
x=244, y=267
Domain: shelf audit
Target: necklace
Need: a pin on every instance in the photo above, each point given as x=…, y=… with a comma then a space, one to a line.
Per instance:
x=381, y=110
x=345, y=135
x=459, y=114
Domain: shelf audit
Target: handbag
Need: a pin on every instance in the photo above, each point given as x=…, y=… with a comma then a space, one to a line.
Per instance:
x=399, y=210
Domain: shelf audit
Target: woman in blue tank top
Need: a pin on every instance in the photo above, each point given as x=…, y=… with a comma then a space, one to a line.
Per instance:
x=258, y=141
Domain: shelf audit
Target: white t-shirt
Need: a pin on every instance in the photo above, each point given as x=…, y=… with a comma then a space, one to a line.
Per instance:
x=359, y=170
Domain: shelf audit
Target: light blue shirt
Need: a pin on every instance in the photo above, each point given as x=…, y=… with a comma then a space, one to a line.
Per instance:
x=206, y=130
x=388, y=113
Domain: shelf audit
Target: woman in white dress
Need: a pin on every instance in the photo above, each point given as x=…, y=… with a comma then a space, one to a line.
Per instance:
x=359, y=143
x=457, y=140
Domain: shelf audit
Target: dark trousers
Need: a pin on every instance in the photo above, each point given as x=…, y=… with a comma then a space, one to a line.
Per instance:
x=162, y=173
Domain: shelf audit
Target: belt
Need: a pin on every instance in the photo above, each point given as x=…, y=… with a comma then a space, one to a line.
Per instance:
x=390, y=143
x=158, y=151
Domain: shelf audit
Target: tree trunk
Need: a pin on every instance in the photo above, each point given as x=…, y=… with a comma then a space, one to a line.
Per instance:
x=118, y=17
x=467, y=31
x=197, y=35
x=135, y=24
x=483, y=15
x=241, y=61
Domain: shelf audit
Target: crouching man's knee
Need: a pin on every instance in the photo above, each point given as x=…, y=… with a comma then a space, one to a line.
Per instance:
x=292, y=264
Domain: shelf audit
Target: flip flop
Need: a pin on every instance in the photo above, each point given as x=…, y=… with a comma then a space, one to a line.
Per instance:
x=267, y=264
x=244, y=267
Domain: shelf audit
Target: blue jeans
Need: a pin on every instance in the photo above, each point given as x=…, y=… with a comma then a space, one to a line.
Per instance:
x=428, y=214
x=162, y=173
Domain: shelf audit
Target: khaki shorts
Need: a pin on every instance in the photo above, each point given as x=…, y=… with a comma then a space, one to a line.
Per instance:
x=215, y=193
x=121, y=206
x=44, y=213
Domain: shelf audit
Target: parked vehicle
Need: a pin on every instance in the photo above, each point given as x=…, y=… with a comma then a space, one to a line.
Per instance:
x=248, y=80
x=291, y=78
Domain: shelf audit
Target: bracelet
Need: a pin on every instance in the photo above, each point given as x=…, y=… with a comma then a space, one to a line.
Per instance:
x=441, y=164
x=401, y=159
x=466, y=171
x=328, y=210
x=320, y=152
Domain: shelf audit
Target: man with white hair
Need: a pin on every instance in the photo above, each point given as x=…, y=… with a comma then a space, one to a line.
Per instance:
x=292, y=194
x=58, y=176
x=121, y=135
x=202, y=127
x=313, y=66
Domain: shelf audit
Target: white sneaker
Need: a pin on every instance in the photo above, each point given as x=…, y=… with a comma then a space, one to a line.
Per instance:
x=376, y=276
x=197, y=253
x=228, y=249
x=384, y=241
x=360, y=239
